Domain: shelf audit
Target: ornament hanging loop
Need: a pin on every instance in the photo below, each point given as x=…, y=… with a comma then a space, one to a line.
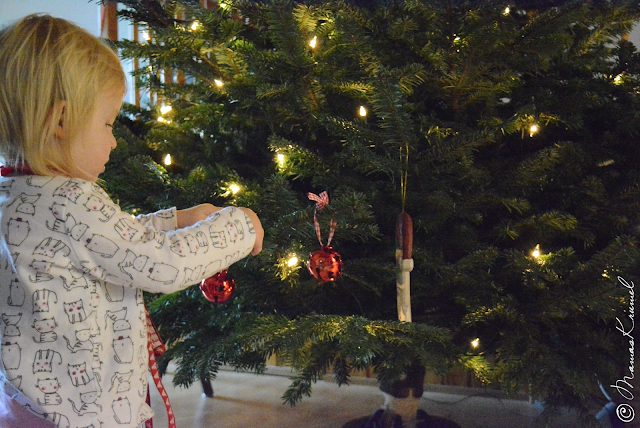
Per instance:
x=322, y=201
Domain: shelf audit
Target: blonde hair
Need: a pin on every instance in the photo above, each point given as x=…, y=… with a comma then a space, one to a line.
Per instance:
x=46, y=63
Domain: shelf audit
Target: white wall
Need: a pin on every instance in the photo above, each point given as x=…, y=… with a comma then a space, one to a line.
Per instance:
x=84, y=13
x=81, y=12
x=633, y=37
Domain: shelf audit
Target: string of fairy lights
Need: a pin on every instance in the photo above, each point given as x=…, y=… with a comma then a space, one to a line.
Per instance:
x=291, y=261
x=313, y=43
x=536, y=255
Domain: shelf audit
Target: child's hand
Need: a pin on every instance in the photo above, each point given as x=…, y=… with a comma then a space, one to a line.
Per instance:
x=257, y=226
x=191, y=216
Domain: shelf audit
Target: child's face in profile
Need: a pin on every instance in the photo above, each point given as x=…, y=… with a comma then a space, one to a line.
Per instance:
x=91, y=147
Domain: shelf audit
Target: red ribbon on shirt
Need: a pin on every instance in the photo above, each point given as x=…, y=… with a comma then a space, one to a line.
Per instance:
x=156, y=348
x=7, y=171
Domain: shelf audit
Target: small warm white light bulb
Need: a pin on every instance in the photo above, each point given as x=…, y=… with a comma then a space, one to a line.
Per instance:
x=195, y=25
x=536, y=252
x=533, y=130
x=165, y=109
x=313, y=42
x=234, y=188
x=281, y=159
x=219, y=83
x=475, y=343
x=507, y=10
x=146, y=36
x=167, y=160
x=363, y=111
x=223, y=5
x=293, y=260
x=617, y=80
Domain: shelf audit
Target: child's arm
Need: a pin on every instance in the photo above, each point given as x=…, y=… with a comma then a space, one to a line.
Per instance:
x=172, y=219
x=116, y=248
x=165, y=220
x=190, y=216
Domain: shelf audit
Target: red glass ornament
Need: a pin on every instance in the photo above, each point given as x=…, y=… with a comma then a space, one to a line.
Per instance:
x=325, y=265
x=218, y=288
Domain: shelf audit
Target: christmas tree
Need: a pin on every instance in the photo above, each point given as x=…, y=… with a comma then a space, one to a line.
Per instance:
x=506, y=130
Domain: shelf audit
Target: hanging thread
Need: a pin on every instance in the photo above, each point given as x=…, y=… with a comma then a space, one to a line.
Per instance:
x=404, y=172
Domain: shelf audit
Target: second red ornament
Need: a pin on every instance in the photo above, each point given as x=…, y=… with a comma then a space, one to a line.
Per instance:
x=218, y=288
x=325, y=265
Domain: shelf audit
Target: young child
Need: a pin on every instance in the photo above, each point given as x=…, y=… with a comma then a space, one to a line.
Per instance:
x=73, y=332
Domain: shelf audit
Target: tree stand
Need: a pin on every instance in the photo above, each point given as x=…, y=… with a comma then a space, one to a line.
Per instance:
x=401, y=398
x=399, y=412
x=206, y=386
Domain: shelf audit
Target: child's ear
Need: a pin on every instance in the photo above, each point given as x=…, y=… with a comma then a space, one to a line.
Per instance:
x=57, y=118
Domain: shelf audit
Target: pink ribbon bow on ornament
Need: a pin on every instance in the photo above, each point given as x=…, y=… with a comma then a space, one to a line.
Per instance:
x=321, y=201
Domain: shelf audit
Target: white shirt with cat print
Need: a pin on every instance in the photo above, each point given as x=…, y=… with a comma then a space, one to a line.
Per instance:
x=73, y=337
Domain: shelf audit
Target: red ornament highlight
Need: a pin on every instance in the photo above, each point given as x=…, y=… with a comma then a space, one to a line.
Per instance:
x=325, y=265
x=218, y=288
